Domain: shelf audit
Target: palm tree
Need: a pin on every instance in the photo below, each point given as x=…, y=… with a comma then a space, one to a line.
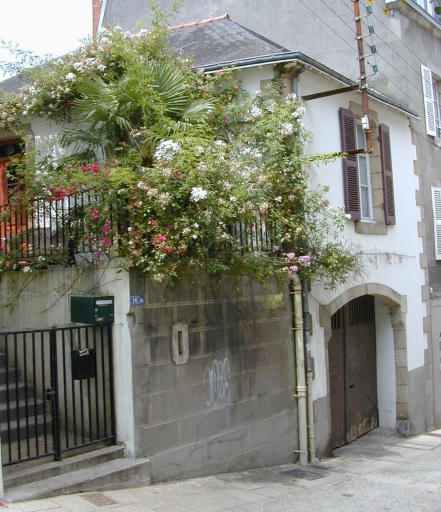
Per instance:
x=150, y=101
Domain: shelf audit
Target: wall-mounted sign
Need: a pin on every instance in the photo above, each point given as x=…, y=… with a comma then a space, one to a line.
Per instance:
x=136, y=300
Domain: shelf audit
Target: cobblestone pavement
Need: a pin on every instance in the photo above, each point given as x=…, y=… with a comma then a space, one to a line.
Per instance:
x=380, y=471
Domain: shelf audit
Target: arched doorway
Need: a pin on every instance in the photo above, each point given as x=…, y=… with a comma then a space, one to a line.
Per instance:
x=353, y=371
x=391, y=350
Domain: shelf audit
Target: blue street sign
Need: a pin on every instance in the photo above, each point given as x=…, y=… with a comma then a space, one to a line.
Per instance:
x=136, y=300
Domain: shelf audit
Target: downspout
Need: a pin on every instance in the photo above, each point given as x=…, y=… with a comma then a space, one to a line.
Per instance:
x=306, y=331
x=295, y=291
x=309, y=370
x=295, y=81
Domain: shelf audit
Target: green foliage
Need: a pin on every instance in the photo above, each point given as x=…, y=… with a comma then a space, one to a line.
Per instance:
x=188, y=173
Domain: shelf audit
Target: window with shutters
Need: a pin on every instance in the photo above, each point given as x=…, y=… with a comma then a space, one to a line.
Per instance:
x=367, y=179
x=431, y=95
x=436, y=202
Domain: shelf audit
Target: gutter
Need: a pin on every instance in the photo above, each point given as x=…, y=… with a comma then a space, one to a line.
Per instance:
x=302, y=59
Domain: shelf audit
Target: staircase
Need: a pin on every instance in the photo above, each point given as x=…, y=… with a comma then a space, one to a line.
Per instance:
x=25, y=419
x=101, y=469
x=86, y=469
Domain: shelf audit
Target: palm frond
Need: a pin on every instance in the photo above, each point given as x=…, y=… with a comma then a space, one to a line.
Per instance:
x=197, y=111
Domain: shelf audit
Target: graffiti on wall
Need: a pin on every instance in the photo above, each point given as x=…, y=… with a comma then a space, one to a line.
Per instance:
x=217, y=379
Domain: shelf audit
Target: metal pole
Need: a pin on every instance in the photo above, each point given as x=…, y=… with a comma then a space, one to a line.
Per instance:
x=299, y=350
x=55, y=400
x=309, y=371
x=363, y=77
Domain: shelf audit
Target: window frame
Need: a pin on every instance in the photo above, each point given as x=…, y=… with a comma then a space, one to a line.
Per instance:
x=437, y=106
x=361, y=144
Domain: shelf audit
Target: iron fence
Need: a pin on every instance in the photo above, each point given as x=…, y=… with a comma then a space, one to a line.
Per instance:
x=50, y=226
x=56, y=390
x=57, y=226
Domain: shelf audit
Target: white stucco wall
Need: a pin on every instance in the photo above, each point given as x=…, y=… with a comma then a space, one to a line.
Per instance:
x=391, y=259
x=386, y=389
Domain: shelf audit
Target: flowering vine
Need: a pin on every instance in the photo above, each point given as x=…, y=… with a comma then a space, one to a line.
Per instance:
x=208, y=178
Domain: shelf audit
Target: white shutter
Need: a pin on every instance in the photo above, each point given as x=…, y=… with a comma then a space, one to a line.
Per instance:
x=436, y=201
x=429, y=105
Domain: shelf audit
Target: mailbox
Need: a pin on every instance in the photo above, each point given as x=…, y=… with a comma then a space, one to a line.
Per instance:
x=83, y=363
x=87, y=309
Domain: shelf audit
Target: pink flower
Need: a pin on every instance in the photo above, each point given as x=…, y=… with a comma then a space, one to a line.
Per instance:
x=305, y=260
x=95, y=214
x=106, y=227
x=293, y=269
x=276, y=248
x=291, y=256
x=95, y=167
x=158, y=240
x=153, y=223
x=85, y=168
x=106, y=242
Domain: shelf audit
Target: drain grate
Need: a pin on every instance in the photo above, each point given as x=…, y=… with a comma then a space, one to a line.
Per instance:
x=301, y=473
x=99, y=499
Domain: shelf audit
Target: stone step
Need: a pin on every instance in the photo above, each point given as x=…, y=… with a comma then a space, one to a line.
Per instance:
x=118, y=473
x=34, y=427
x=11, y=374
x=23, y=406
x=27, y=472
x=13, y=392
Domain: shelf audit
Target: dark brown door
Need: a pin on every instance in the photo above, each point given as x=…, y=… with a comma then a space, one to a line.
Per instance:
x=352, y=371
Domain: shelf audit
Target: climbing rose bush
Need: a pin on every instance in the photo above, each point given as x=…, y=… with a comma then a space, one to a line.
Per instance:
x=219, y=184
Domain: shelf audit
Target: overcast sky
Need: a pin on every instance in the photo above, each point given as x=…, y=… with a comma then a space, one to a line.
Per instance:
x=45, y=26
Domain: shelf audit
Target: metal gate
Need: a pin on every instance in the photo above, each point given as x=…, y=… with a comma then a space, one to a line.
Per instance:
x=56, y=391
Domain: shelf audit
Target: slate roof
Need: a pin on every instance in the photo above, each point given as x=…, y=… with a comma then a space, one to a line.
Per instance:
x=217, y=43
x=12, y=84
x=216, y=40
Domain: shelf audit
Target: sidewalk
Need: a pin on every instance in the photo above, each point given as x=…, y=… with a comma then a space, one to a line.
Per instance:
x=379, y=472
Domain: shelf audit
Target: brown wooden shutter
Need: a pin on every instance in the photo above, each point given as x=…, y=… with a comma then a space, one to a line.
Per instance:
x=350, y=163
x=386, y=168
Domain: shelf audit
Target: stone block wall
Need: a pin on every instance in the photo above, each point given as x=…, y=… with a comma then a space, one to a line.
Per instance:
x=230, y=405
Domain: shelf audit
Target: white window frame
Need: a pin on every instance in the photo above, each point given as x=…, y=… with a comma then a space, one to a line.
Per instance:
x=436, y=204
x=364, y=156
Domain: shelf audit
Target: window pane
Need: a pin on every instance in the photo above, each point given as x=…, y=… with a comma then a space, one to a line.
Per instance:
x=365, y=210
x=363, y=170
x=360, y=137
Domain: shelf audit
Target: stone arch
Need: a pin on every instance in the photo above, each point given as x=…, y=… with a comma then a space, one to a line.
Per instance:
x=398, y=309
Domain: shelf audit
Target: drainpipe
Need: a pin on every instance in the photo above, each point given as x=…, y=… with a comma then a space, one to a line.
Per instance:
x=295, y=291
x=309, y=370
x=306, y=328
x=295, y=81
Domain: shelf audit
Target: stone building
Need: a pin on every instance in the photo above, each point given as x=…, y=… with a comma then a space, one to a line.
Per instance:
x=204, y=374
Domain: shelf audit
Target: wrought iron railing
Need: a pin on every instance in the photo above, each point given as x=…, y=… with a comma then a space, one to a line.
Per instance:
x=57, y=226
x=49, y=226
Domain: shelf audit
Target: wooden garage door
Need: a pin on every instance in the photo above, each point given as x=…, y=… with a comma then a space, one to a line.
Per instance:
x=352, y=371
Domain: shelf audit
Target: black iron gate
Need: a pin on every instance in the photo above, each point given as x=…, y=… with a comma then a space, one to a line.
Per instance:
x=56, y=391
